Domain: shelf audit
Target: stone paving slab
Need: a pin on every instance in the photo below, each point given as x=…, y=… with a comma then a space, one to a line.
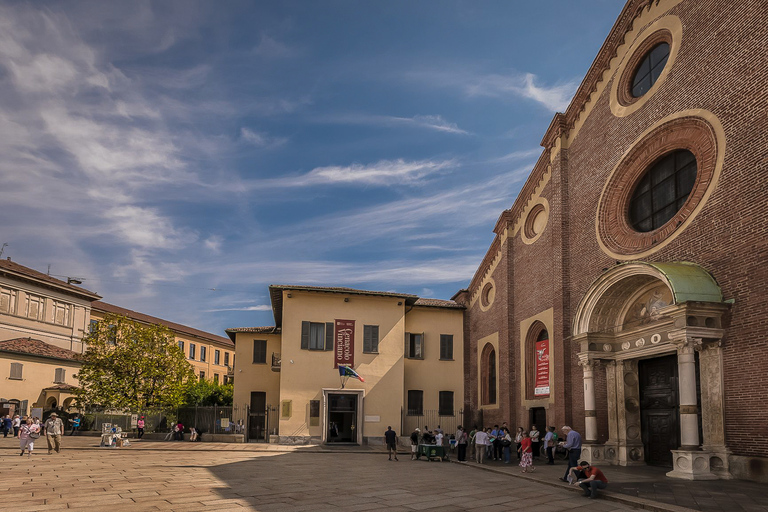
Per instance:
x=158, y=475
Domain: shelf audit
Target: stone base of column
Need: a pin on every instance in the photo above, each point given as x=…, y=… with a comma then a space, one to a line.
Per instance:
x=719, y=461
x=592, y=453
x=692, y=465
x=631, y=454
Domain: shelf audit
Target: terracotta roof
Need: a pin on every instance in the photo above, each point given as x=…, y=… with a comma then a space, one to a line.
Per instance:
x=438, y=303
x=15, y=270
x=178, y=328
x=33, y=347
x=232, y=332
x=61, y=387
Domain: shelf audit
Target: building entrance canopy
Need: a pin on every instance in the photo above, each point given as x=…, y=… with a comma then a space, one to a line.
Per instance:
x=637, y=311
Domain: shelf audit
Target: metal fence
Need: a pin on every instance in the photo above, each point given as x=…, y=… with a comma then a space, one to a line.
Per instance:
x=432, y=419
x=211, y=420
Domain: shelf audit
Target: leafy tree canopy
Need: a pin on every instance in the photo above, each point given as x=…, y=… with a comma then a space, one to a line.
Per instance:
x=206, y=392
x=134, y=366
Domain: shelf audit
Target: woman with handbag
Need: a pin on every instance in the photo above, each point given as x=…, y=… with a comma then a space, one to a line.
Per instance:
x=506, y=443
x=28, y=433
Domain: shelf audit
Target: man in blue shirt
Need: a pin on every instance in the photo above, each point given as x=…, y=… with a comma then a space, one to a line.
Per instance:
x=573, y=445
x=496, y=435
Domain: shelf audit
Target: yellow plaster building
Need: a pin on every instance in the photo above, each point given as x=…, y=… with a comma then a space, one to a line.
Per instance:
x=408, y=350
x=211, y=356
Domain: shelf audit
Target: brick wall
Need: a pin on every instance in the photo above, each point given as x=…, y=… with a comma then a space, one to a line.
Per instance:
x=721, y=67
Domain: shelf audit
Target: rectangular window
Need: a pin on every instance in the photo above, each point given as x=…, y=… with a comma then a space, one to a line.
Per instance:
x=16, y=369
x=316, y=336
x=314, y=413
x=259, y=351
x=216, y=378
x=226, y=379
x=414, y=345
x=202, y=375
x=371, y=339
x=60, y=313
x=92, y=327
x=181, y=345
x=202, y=353
x=415, y=402
x=216, y=357
x=60, y=376
x=112, y=338
x=226, y=358
x=446, y=403
x=34, y=307
x=446, y=346
x=7, y=301
x=191, y=350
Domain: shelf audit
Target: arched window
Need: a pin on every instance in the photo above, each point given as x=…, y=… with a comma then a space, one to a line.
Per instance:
x=649, y=69
x=537, y=363
x=488, y=375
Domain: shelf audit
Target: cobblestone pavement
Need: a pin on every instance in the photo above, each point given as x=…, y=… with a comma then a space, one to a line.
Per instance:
x=184, y=476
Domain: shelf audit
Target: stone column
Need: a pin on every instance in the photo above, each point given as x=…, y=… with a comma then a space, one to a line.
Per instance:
x=613, y=419
x=713, y=408
x=689, y=419
x=689, y=462
x=590, y=408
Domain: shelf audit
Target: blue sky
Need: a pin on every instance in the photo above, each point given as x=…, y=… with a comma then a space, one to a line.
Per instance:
x=182, y=156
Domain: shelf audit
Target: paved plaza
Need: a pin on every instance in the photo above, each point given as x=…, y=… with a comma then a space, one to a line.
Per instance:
x=186, y=476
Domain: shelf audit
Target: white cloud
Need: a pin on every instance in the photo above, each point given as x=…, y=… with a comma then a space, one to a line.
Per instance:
x=260, y=139
x=431, y=122
x=517, y=155
x=213, y=243
x=554, y=98
x=261, y=307
x=272, y=49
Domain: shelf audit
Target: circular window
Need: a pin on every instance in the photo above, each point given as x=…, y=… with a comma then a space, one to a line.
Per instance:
x=487, y=295
x=658, y=186
x=649, y=69
x=645, y=65
x=662, y=191
x=535, y=221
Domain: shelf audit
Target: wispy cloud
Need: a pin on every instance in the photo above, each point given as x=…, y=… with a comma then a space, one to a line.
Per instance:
x=272, y=49
x=430, y=122
x=260, y=139
x=515, y=156
x=381, y=173
x=554, y=97
x=261, y=307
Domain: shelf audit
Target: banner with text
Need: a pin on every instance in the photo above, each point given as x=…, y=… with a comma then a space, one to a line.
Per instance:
x=344, y=341
x=542, y=368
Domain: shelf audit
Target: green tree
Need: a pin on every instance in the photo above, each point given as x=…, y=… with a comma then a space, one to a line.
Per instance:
x=134, y=366
x=206, y=392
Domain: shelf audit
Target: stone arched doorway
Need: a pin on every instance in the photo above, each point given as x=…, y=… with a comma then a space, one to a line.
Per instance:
x=643, y=324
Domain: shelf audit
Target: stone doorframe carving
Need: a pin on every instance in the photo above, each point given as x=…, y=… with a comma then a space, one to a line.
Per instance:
x=687, y=325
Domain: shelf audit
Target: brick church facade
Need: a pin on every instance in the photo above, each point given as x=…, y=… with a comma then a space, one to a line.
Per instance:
x=625, y=293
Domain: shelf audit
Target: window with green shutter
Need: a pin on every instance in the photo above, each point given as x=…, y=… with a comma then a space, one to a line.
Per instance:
x=371, y=339
x=316, y=335
x=414, y=345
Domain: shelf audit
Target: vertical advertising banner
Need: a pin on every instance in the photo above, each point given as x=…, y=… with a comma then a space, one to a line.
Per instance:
x=542, y=368
x=344, y=343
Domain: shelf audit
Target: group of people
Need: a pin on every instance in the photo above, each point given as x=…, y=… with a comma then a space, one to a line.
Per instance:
x=28, y=429
x=496, y=444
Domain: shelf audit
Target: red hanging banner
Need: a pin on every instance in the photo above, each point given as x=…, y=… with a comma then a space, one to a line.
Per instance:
x=542, y=369
x=344, y=341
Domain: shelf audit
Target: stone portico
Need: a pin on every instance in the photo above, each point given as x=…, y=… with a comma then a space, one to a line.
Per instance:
x=632, y=324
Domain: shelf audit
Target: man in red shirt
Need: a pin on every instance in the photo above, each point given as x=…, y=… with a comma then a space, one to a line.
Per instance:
x=589, y=478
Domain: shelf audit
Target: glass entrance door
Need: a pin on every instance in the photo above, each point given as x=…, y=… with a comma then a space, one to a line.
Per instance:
x=342, y=418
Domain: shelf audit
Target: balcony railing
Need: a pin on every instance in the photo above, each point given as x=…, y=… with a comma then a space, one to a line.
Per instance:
x=276, y=362
x=230, y=371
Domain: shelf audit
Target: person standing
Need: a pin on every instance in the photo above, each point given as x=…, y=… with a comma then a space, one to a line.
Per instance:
x=518, y=439
x=472, y=445
x=16, y=425
x=461, y=441
x=438, y=438
x=549, y=445
x=535, y=444
x=506, y=444
x=592, y=480
x=140, y=428
x=75, y=424
x=5, y=425
x=526, y=454
x=415, y=444
x=496, y=435
x=29, y=431
x=482, y=442
x=390, y=436
x=54, y=428
x=573, y=444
